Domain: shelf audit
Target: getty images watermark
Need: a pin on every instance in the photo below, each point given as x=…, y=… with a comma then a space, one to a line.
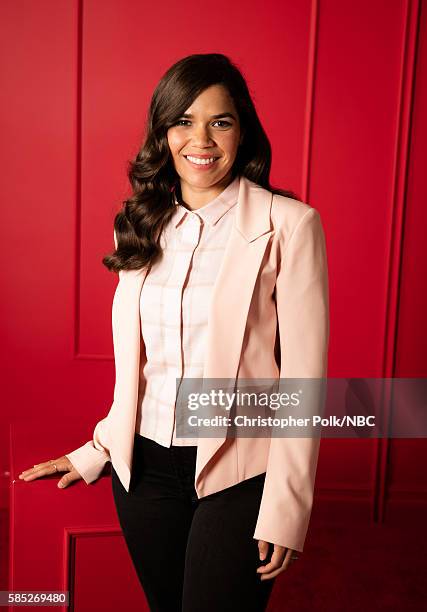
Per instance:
x=302, y=407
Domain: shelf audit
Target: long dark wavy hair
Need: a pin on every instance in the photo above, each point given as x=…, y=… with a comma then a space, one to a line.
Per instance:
x=152, y=174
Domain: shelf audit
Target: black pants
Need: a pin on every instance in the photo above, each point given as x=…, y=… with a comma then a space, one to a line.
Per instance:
x=190, y=554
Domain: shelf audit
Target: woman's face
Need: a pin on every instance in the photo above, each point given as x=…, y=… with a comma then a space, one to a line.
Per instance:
x=205, y=139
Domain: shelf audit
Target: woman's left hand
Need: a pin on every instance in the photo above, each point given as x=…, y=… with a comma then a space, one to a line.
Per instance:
x=280, y=559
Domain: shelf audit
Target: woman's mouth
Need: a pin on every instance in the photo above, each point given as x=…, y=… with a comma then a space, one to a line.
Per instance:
x=201, y=163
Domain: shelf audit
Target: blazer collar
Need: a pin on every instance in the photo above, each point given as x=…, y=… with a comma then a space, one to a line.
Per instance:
x=253, y=210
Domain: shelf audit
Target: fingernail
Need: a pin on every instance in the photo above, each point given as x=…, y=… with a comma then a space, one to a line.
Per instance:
x=20, y=476
x=60, y=485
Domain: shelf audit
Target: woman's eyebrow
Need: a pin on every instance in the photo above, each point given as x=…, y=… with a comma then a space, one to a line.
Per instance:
x=219, y=116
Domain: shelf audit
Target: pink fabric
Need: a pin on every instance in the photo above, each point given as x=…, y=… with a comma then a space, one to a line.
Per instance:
x=174, y=303
x=271, y=291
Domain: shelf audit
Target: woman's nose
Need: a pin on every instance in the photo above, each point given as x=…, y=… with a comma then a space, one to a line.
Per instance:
x=201, y=136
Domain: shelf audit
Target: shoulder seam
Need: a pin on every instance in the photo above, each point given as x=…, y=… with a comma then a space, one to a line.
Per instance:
x=307, y=212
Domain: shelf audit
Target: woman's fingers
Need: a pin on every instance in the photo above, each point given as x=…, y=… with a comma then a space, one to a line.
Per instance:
x=275, y=562
x=263, y=549
x=62, y=464
x=42, y=469
x=280, y=561
x=68, y=479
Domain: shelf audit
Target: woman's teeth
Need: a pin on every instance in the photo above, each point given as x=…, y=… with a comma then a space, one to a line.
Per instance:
x=201, y=161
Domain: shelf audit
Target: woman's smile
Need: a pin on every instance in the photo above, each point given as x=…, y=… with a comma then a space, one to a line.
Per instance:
x=201, y=162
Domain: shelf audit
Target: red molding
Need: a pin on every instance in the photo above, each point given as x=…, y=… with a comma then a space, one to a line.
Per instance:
x=401, y=161
x=78, y=162
x=69, y=559
x=308, y=117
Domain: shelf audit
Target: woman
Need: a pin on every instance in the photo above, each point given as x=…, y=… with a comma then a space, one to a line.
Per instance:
x=220, y=276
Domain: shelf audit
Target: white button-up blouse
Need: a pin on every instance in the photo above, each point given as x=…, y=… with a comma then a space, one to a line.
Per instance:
x=174, y=304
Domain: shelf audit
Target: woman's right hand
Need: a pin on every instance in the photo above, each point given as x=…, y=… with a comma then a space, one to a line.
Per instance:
x=63, y=464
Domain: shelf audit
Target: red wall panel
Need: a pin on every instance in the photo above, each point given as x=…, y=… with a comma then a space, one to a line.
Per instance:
x=340, y=88
x=406, y=478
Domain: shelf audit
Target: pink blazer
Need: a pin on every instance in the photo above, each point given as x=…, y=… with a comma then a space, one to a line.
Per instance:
x=271, y=291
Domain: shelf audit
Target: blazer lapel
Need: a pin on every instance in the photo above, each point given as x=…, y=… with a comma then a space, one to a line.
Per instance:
x=127, y=349
x=234, y=285
x=232, y=294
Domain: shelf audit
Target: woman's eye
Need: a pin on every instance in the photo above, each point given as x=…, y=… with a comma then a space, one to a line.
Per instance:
x=186, y=122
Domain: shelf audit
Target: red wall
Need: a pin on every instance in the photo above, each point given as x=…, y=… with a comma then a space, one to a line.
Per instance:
x=340, y=88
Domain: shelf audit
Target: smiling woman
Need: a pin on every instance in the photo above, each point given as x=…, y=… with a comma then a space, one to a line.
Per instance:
x=204, y=144
x=201, y=109
x=205, y=291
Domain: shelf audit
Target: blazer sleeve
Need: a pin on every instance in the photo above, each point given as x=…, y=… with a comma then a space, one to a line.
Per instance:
x=302, y=302
x=89, y=460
